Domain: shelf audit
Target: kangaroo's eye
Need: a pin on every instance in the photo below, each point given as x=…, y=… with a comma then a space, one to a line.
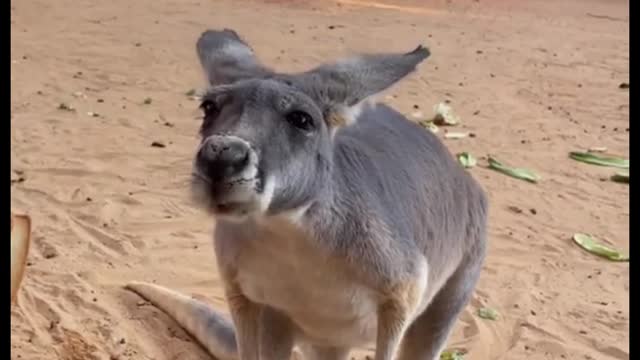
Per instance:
x=210, y=108
x=300, y=120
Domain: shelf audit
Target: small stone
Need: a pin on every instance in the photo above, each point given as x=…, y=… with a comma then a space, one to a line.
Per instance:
x=514, y=209
x=158, y=144
x=66, y=107
x=147, y=101
x=18, y=180
x=623, y=85
x=49, y=252
x=533, y=211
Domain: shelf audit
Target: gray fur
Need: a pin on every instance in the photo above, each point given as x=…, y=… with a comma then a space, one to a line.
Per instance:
x=349, y=232
x=226, y=58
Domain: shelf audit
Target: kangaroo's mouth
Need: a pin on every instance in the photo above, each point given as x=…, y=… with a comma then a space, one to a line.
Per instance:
x=237, y=198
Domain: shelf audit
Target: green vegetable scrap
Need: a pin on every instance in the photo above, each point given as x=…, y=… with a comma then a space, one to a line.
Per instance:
x=452, y=355
x=599, y=149
x=518, y=173
x=455, y=135
x=488, y=313
x=601, y=160
x=591, y=245
x=429, y=125
x=444, y=115
x=466, y=160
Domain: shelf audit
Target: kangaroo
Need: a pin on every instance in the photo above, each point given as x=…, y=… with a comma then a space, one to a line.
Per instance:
x=339, y=222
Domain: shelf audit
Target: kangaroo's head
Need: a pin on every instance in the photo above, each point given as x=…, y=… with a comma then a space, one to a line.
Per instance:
x=267, y=138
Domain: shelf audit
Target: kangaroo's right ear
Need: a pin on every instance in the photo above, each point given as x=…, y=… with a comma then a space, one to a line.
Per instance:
x=226, y=59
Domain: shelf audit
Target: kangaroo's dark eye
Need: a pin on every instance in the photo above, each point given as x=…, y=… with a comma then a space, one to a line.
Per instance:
x=300, y=119
x=210, y=108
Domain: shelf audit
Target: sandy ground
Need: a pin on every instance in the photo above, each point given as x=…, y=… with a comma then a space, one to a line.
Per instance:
x=532, y=82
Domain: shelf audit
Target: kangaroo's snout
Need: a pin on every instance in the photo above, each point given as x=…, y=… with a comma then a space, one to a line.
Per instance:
x=222, y=158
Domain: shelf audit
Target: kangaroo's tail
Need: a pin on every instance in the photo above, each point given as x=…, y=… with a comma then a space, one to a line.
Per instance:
x=210, y=328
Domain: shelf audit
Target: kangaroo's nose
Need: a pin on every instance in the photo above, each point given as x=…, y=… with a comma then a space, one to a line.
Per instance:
x=222, y=158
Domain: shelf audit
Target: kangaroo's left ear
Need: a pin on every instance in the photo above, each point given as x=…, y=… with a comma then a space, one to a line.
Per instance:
x=342, y=86
x=226, y=58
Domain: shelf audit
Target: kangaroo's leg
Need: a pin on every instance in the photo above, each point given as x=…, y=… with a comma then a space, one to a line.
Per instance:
x=276, y=335
x=426, y=337
x=313, y=352
x=395, y=313
x=246, y=318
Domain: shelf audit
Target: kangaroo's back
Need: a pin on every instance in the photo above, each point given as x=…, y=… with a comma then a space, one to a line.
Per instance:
x=412, y=181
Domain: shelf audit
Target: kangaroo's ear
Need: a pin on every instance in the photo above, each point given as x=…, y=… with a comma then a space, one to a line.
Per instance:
x=226, y=58
x=342, y=87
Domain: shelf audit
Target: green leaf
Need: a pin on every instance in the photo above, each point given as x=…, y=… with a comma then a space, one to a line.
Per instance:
x=601, y=160
x=518, y=173
x=488, y=313
x=621, y=177
x=444, y=115
x=591, y=245
x=456, y=135
x=466, y=160
x=452, y=355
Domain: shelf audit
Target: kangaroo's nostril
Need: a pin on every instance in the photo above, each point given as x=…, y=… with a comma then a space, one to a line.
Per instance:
x=223, y=159
x=235, y=154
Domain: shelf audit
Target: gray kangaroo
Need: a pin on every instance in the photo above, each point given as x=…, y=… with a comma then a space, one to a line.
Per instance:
x=339, y=222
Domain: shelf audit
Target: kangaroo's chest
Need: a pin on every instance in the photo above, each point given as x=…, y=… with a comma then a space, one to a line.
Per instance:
x=282, y=269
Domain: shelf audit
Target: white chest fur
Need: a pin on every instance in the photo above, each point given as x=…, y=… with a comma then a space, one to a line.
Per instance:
x=283, y=269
